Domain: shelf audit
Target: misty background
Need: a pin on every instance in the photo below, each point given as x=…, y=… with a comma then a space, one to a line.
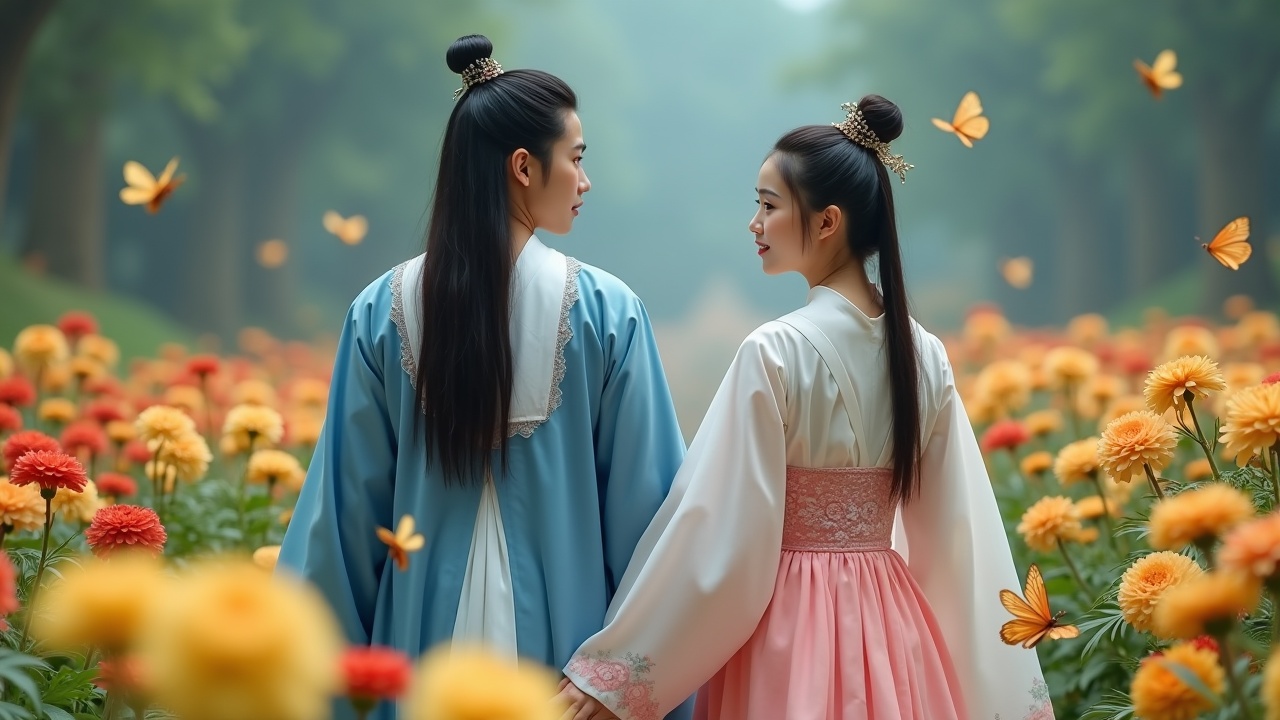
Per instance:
x=281, y=110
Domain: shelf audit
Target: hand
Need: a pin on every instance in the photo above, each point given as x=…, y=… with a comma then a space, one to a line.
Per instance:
x=581, y=705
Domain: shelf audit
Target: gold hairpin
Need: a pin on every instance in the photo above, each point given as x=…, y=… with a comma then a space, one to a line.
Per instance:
x=481, y=70
x=856, y=129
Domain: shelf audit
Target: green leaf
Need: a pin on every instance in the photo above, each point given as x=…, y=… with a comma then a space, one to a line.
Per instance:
x=55, y=713
x=9, y=711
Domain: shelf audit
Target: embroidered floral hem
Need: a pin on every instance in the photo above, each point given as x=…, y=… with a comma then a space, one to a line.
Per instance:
x=622, y=684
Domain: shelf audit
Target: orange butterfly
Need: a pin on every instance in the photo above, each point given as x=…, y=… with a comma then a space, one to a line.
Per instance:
x=1160, y=75
x=349, y=230
x=1018, y=272
x=968, y=123
x=1231, y=245
x=1032, y=620
x=145, y=189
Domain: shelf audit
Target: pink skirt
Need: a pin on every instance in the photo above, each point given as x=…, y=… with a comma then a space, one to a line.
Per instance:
x=847, y=636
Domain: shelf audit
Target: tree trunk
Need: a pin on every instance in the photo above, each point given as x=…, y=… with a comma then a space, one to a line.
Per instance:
x=1230, y=145
x=19, y=20
x=211, y=299
x=273, y=197
x=1151, y=222
x=1087, y=267
x=66, y=212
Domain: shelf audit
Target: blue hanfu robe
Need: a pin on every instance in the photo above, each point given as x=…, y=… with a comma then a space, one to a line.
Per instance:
x=585, y=473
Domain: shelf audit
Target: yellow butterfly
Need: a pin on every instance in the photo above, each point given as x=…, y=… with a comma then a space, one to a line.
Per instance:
x=143, y=187
x=1231, y=245
x=1018, y=272
x=349, y=230
x=968, y=124
x=402, y=542
x=1160, y=75
x=1032, y=621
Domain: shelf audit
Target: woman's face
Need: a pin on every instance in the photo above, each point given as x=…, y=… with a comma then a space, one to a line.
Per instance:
x=776, y=224
x=555, y=192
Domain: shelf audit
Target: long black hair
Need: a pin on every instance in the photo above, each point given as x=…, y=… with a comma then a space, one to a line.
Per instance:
x=823, y=167
x=465, y=367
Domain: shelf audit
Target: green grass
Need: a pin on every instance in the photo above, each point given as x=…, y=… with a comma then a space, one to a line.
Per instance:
x=27, y=299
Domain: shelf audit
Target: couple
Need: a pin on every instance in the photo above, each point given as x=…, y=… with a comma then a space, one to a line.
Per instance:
x=512, y=401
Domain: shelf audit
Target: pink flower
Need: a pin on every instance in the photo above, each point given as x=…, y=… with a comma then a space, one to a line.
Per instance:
x=608, y=675
x=10, y=419
x=77, y=323
x=84, y=436
x=1005, y=435
x=17, y=391
x=116, y=485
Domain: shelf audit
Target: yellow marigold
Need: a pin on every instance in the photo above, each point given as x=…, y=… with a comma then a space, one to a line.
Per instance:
x=1092, y=507
x=1087, y=329
x=234, y=642
x=304, y=428
x=99, y=603
x=1122, y=405
x=986, y=328
x=39, y=346
x=1069, y=366
x=310, y=393
x=1169, y=383
x=1005, y=385
x=56, y=378
x=253, y=426
x=1257, y=328
x=1159, y=694
x=467, y=682
x=78, y=506
x=1252, y=423
x=254, y=392
x=1242, y=374
x=1036, y=463
x=1271, y=686
x=1198, y=469
x=57, y=410
x=185, y=397
x=1253, y=547
x=1104, y=388
x=1197, y=515
x=163, y=422
x=21, y=506
x=1084, y=536
x=121, y=432
x=275, y=466
x=84, y=368
x=1190, y=340
x=1206, y=605
x=1043, y=422
x=1133, y=440
x=97, y=347
x=1077, y=461
x=6, y=364
x=266, y=556
x=188, y=455
x=1147, y=580
x=1051, y=519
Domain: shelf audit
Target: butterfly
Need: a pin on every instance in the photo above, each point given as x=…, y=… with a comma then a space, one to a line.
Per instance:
x=145, y=189
x=349, y=230
x=1160, y=75
x=402, y=542
x=1231, y=245
x=1018, y=272
x=968, y=123
x=1032, y=621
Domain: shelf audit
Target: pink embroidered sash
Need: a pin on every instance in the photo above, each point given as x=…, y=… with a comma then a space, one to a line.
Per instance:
x=838, y=509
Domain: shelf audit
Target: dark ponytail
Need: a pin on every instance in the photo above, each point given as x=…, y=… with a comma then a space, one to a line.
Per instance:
x=465, y=367
x=822, y=167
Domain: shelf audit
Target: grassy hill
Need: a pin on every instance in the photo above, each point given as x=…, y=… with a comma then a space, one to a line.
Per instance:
x=26, y=299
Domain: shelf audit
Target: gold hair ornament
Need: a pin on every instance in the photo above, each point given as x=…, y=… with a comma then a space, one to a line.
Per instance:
x=856, y=129
x=482, y=70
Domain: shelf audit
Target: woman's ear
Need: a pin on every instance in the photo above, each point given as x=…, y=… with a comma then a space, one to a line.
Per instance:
x=518, y=164
x=828, y=222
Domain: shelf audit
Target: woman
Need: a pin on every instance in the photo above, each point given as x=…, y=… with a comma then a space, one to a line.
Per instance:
x=507, y=398
x=768, y=573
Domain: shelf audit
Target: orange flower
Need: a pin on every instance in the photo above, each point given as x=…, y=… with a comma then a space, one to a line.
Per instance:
x=1134, y=440
x=1159, y=694
x=1205, y=604
x=402, y=542
x=1253, y=548
x=1147, y=580
x=1252, y=424
x=1051, y=519
x=1077, y=461
x=1036, y=463
x=1197, y=515
x=1169, y=384
x=50, y=471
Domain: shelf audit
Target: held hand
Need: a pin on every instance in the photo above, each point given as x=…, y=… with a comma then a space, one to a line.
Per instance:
x=581, y=705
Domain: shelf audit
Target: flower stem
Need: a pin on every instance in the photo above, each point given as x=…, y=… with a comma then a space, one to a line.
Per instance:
x=1069, y=390
x=1106, y=511
x=111, y=709
x=1075, y=572
x=44, y=557
x=1275, y=475
x=1237, y=690
x=1200, y=438
x=1155, y=484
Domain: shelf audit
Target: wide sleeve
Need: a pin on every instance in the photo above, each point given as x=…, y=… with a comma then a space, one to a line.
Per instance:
x=638, y=445
x=959, y=554
x=704, y=570
x=331, y=540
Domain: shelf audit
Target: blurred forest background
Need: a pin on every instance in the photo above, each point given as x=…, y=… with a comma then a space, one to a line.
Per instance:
x=283, y=109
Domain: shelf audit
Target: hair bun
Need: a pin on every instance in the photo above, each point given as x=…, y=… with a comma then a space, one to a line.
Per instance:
x=466, y=50
x=882, y=116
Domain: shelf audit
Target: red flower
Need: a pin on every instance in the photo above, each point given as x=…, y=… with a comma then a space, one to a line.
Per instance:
x=86, y=436
x=608, y=675
x=125, y=527
x=77, y=323
x=1005, y=435
x=10, y=419
x=17, y=391
x=1205, y=642
x=104, y=411
x=103, y=386
x=8, y=589
x=121, y=673
x=202, y=366
x=21, y=443
x=1134, y=362
x=375, y=673
x=136, y=452
x=50, y=470
x=1271, y=379
x=116, y=485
